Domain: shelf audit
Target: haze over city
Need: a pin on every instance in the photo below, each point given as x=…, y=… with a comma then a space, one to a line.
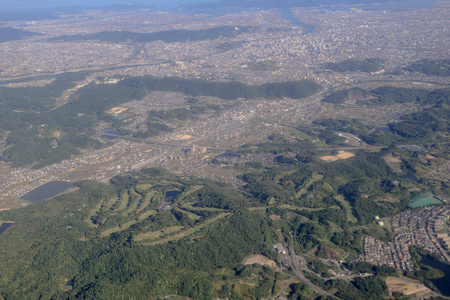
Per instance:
x=288, y=149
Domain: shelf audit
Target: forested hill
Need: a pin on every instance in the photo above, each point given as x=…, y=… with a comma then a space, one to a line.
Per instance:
x=387, y=95
x=24, y=110
x=367, y=65
x=97, y=98
x=11, y=34
x=118, y=241
x=84, y=251
x=170, y=36
x=439, y=67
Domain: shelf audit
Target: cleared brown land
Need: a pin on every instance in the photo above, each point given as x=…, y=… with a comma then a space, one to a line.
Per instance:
x=391, y=159
x=406, y=287
x=117, y=109
x=8, y=203
x=345, y=155
x=259, y=259
x=341, y=155
x=186, y=137
x=275, y=217
x=388, y=198
x=329, y=158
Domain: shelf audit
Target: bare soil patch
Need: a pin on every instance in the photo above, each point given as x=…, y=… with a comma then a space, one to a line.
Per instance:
x=186, y=137
x=275, y=217
x=388, y=198
x=391, y=159
x=116, y=110
x=344, y=155
x=341, y=155
x=406, y=287
x=259, y=259
x=330, y=252
x=329, y=158
x=8, y=203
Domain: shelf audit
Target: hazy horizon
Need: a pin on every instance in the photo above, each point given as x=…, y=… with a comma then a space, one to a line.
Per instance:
x=30, y=4
x=6, y=5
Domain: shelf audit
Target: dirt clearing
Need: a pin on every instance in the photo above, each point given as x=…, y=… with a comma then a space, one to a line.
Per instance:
x=259, y=259
x=344, y=155
x=406, y=287
x=341, y=155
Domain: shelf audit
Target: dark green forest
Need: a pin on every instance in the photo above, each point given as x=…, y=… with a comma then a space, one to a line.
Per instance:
x=367, y=65
x=386, y=95
x=11, y=34
x=65, y=248
x=427, y=126
x=347, y=95
x=77, y=245
x=440, y=67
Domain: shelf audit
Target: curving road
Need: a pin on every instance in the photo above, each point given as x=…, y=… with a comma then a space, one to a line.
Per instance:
x=298, y=272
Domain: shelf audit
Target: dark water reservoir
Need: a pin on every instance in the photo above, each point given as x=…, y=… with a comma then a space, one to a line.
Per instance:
x=111, y=134
x=411, y=177
x=47, y=190
x=384, y=129
x=170, y=195
x=4, y=227
x=443, y=284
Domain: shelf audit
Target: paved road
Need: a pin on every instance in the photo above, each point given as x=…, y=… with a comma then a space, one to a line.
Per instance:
x=283, y=287
x=298, y=272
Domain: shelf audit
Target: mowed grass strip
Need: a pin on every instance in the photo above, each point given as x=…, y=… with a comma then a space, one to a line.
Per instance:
x=289, y=207
x=191, y=215
x=283, y=174
x=346, y=204
x=300, y=208
x=145, y=215
x=110, y=203
x=315, y=178
x=127, y=224
x=94, y=211
x=118, y=228
x=123, y=201
x=190, y=191
x=133, y=203
x=189, y=231
x=258, y=208
x=144, y=186
x=190, y=207
x=300, y=134
x=145, y=202
x=156, y=234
